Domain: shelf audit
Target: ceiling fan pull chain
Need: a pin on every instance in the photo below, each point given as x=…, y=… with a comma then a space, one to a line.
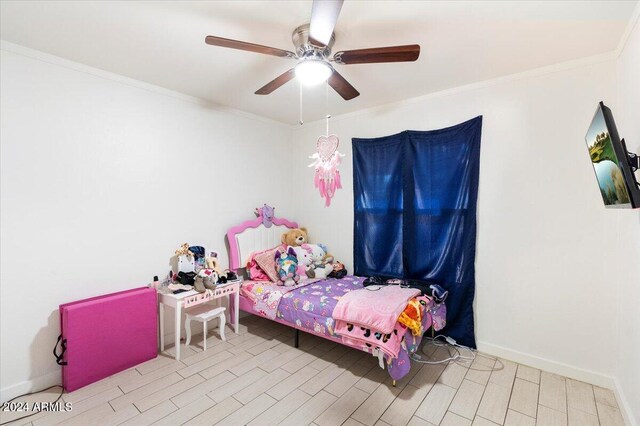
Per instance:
x=300, y=120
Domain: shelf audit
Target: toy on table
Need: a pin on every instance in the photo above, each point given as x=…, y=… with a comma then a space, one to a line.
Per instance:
x=186, y=259
x=205, y=280
x=184, y=250
x=212, y=262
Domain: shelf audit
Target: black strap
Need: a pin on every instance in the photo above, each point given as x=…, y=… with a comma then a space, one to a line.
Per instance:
x=63, y=345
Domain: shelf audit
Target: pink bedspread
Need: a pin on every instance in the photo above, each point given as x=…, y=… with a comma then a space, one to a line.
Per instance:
x=390, y=344
x=369, y=339
x=374, y=309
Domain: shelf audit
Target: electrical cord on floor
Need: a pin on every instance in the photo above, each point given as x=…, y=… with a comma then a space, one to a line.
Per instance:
x=449, y=344
x=28, y=394
x=455, y=355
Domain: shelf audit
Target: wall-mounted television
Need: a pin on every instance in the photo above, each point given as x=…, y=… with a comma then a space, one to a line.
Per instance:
x=613, y=164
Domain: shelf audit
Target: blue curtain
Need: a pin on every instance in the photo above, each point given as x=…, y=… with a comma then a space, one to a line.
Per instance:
x=415, y=197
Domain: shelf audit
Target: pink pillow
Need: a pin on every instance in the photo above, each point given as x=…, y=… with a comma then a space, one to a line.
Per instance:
x=255, y=272
x=267, y=262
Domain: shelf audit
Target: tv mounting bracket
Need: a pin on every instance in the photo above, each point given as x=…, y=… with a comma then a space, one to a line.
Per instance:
x=634, y=161
x=632, y=158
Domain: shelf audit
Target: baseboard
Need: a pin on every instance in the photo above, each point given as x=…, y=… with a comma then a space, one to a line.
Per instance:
x=33, y=385
x=623, y=403
x=559, y=368
x=555, y=367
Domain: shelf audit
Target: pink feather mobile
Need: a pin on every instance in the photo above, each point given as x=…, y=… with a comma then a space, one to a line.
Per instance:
x=326, y=162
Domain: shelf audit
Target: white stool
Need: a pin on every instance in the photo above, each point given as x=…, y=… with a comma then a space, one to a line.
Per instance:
x=203, y=313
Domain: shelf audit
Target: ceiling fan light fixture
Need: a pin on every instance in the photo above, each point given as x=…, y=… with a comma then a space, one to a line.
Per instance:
x=313, y=71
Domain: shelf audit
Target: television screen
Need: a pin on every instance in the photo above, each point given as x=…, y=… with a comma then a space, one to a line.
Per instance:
x=601, y=144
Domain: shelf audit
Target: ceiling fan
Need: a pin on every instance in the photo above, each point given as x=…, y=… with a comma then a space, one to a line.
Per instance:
x=313, y=43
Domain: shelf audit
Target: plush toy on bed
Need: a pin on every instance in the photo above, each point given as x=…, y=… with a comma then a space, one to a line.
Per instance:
x=413, y=313
x=295, y=237
x=303, y=254
x=321, y=265
x=311, y=261
x=339, y=270
x=287, y=267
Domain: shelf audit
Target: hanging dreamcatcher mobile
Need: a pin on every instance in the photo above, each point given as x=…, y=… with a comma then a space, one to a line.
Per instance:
x=326, y=160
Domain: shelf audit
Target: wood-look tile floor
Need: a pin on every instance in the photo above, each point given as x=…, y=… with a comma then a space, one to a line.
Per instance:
x=259, y=378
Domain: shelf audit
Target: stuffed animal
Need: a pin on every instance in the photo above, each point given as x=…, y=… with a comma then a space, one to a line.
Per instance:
x=320, y=266
x=303, y=254
x=313, y=260
x=339, y=270
x=287, y=267
x=328, y=257
x=212, y=262
x=266, y=213
x=184, y=250
x=295, y=237
x=412, y=314
x=186, y=263
x=205, y=280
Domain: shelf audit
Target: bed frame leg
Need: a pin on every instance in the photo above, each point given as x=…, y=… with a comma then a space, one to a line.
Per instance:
x=296, y=338
x=394, y=383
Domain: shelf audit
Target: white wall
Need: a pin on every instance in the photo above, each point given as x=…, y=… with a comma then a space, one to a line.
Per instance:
x=626, y=250
x=541, y=223
x=102, y=178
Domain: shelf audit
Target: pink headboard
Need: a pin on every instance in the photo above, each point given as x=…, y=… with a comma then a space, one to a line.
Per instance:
x=252, y=236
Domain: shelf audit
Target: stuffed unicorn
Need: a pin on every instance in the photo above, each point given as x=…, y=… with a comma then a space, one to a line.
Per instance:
x=287, y=267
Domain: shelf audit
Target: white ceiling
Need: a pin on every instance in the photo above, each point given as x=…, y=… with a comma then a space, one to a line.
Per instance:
x=162, y=42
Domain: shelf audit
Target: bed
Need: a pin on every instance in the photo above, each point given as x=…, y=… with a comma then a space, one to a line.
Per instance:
x=308, y=306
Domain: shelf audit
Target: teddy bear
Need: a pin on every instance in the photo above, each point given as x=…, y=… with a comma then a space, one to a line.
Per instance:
x=287, y=267
x=295, y=237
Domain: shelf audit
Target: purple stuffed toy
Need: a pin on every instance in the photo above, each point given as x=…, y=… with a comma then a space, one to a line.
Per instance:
x=266, y=213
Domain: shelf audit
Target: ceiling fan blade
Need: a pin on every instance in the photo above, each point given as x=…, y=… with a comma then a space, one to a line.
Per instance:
x=324, y=15
x=250, y=47
x=276, y=82
x=342, y=86
x=408, y=53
